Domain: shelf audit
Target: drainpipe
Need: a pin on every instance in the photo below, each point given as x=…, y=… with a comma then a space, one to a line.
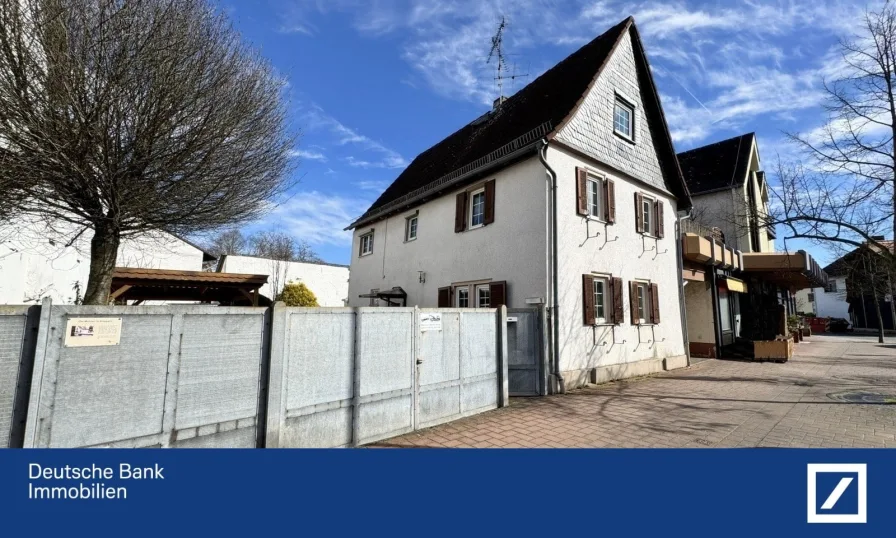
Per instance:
x=681, y=283
x=717, y=320
x=555, y=273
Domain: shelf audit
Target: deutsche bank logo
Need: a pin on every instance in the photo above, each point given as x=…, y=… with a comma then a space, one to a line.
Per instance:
x=837, y=492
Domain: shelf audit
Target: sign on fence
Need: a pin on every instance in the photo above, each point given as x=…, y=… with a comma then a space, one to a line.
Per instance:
x=431, y=322
x=88, y=332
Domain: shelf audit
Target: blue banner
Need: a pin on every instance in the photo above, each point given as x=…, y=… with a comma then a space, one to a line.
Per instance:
x=422, y=492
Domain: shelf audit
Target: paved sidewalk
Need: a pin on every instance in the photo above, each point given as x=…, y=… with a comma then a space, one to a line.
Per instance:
x=803, y=403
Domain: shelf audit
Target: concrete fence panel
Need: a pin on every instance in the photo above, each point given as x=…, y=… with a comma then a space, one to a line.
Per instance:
x=18, y=331
x=178, y=376
x=352, y=376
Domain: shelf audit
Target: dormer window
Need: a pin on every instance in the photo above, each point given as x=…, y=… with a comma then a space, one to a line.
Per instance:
x=624, y=119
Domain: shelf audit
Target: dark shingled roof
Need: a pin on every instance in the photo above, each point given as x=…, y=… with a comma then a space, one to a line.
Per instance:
x=718, y=166
x=536, y=110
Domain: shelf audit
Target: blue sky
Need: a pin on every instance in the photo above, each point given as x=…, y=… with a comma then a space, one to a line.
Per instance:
x=374, y=83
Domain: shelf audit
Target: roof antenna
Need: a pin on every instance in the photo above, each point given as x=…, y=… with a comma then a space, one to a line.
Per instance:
x=497, y=52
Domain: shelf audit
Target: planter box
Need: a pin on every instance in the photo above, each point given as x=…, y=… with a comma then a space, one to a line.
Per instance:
x=773, y=350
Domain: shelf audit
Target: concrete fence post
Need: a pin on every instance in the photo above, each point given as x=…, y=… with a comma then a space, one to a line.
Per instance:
x=33, y=422
x=356, y=381
x=169, y=405
x=277, y=371
x=501, y=349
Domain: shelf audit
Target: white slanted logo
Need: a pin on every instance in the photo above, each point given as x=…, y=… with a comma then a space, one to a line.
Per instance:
x=848, y=473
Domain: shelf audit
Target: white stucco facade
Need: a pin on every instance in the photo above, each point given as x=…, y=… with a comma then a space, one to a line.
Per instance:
x=826, y=304
x=36, y=263
x=511, y=249
x=328, y=282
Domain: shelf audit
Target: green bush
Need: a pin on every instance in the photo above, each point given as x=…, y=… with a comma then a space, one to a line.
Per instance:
x=297, y=294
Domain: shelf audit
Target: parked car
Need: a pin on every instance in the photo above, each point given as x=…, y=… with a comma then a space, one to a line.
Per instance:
x=838, y=325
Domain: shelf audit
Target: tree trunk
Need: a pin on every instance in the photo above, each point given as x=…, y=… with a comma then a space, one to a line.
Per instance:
x=103, y=255
x=880, y=320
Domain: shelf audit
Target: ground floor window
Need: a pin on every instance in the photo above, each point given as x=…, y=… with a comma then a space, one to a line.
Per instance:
x=463, y=298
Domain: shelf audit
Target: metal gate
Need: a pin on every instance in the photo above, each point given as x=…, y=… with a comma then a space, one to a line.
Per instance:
x=525, y=344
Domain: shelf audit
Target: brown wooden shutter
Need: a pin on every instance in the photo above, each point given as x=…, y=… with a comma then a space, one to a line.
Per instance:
x=660, y=227
x=489, y=202
x=445, y=297
x=639, y=216
x=654, y=303
x=610, y=197
x=633, y=302
x=582, y=191
x=618, y=309
x=460, y=213
x=498, y=294
x=588, y=299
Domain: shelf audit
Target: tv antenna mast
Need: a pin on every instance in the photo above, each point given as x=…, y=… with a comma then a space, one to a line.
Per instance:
x=497, y=53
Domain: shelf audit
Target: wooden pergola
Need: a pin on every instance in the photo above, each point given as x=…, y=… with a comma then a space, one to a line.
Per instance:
x=232, y=289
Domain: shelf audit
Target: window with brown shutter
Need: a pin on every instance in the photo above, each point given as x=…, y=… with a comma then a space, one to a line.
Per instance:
x=489, y=202
x=654, y=304
x=445, y=297
x=588, y=299
x=498, y=292
x=610, y=197
x=633, y=302
x=660, y=229
x=639, y=216
x=460, y=213
x=582, y=191
x=618, y=309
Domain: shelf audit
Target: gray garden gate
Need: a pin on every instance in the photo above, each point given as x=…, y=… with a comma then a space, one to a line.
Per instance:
x=525, y=346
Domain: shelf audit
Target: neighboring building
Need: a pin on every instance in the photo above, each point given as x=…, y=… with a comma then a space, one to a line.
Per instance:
x=739, y=289
x=469, y=222
x=827, y=302
x=329, y=282
x=36, y=260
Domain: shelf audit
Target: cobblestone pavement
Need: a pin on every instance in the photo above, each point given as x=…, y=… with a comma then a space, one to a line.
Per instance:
x=803, y=403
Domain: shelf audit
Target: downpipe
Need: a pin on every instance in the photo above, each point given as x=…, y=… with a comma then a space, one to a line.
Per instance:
x=555, y=273
x=681, y=283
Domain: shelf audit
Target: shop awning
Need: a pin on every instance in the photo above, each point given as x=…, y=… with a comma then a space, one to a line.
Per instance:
x=796, y=270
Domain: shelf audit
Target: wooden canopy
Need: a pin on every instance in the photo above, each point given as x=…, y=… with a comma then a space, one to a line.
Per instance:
x=796, y=271
x=230, y=289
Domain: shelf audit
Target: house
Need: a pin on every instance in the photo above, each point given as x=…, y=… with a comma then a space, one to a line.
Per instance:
x=566, y=194
x=739, y=287
x=860, y=280
x=329, y=282
x=829, y=301
x=40, y=259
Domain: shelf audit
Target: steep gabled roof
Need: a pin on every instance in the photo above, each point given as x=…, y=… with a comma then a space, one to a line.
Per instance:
x=533, y=113
x=718, y=166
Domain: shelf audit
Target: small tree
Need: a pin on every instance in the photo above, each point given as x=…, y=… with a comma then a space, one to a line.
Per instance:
x=227, y=242
x=132, y=116
x=297, y=294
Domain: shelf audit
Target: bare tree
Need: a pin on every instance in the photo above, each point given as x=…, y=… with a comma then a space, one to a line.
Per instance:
x=845, y=193
x=129, y=116
x=281, y=246
x=227, y=242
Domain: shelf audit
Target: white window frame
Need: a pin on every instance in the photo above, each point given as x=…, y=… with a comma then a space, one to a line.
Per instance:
x=362, y=251
x=643, y=290
x=473, y=196
x=488, y=290
x=457, y=290
x=648, y=223
x=594, y=186
x=625, y=104
x=407, y=228
x=605, y=289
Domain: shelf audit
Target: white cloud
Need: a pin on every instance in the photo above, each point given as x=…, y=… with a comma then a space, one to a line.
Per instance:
x=308, y=155
x=381, y=156
x=372, y=186
x=317, y=218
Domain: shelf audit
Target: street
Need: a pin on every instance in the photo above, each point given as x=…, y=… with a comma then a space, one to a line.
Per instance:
x=838, y=391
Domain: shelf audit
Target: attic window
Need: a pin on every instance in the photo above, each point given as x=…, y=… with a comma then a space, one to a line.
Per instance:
x=624, y=119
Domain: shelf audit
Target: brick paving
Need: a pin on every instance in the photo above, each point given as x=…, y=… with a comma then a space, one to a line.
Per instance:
x=710, y=404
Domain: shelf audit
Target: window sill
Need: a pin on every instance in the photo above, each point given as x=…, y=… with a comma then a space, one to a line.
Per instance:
x=624, y=137
x=410, y=240
x=592, y=218
x=470, y=228
x=365, y=255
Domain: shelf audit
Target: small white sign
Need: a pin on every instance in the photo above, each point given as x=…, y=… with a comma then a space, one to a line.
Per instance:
x=511, y=319
x=431, y=322
x=87, y=332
